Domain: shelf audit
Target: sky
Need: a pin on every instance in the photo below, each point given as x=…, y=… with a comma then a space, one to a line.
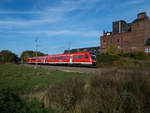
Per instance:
x=60, y=24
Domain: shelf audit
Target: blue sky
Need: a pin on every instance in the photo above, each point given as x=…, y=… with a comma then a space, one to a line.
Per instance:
x=55, y=23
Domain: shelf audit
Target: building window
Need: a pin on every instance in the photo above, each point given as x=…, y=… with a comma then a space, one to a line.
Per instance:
x=118, y=40
x=147, y=50
x=110, y=41
x=147, y=42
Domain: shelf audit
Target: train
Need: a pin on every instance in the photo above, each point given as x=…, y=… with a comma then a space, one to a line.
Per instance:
x=79, y=58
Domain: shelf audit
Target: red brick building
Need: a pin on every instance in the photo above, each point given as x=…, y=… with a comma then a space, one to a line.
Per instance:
x=129, y=37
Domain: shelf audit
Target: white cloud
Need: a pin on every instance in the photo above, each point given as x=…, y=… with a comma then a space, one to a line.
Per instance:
x=55, y=33
x=48, y=14
x=69, y=32
x=132, y=2
x=21, y=12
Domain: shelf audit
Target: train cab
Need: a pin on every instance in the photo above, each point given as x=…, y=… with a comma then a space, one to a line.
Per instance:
x=93, y=57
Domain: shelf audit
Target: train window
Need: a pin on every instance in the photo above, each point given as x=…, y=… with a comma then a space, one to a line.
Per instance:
x=55, y=58
x=58, y=58
x=75, y=57
x=80, y=57
x=85, y=56
x=64, y=57
x=61, y=57
x=46, y=58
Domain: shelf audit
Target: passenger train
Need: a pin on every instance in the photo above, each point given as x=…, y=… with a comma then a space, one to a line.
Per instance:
x=80, y=58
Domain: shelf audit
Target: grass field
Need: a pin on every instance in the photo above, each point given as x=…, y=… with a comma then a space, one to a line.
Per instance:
x=26, y=79
x=30, y=90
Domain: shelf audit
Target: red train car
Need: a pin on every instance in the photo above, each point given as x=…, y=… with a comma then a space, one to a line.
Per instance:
x=81, y=58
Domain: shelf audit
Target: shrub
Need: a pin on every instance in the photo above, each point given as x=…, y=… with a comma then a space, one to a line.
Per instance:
x=138, y=55
x=66, y=95
x=106, y=60
x=112, y=50
x=116, y=93
x=127, y=62
x=10, y=102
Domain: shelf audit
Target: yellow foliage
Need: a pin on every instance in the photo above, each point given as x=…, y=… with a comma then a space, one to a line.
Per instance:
x=112, y=50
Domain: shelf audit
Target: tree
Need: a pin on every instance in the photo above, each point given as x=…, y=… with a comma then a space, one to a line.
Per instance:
x=28, y=53
x=7, y=56
x=112, y=50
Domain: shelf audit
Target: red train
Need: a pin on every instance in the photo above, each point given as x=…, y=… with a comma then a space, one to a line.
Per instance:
x=80, y=58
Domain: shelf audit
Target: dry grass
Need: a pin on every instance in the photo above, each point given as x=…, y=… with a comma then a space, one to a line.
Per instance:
x=111, y=92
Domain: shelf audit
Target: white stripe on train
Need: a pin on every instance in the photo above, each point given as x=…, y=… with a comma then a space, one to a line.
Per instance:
x=88, y=63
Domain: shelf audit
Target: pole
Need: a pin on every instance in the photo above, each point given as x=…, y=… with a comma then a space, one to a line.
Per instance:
x=69, y=45
x=36, y=47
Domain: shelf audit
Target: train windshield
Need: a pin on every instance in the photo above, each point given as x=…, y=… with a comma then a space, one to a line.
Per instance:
x=93, y=56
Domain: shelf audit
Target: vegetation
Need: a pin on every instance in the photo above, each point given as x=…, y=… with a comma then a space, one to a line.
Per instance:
x=7, y=56
x=111, y=92
x=19, y=86
x=124, y=90
x=26, y=79
x=112, y=50
x=123, y=59
x=106, y=60
x=28, y=53
x=10, y=102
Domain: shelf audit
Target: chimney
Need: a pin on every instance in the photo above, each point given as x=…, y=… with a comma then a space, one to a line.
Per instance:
x=141, y=15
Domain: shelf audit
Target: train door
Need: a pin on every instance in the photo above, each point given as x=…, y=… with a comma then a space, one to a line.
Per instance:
x=70, y=58
x=43, y=60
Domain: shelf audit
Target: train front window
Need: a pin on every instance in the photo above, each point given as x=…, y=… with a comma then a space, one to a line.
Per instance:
x=93, y=56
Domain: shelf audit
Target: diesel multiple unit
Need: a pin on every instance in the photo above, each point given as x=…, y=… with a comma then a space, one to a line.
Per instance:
x=80, y=58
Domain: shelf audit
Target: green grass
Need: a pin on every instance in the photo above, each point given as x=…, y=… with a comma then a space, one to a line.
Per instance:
x=25, y=79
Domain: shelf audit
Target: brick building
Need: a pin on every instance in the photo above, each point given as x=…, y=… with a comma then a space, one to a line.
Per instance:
x=129, y=37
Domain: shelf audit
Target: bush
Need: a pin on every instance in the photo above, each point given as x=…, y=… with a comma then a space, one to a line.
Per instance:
x=106, y=60
x=138, y=55
x=10, y=102
x=65, y=96
x=126, y=62
x=116, y=93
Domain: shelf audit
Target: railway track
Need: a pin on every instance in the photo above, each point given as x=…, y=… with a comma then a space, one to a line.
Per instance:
x=73, y=69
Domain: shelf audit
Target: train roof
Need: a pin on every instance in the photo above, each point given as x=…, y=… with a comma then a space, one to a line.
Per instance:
x=62, y=54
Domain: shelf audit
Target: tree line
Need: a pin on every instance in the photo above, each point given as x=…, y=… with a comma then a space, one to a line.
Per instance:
x=7, y=56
